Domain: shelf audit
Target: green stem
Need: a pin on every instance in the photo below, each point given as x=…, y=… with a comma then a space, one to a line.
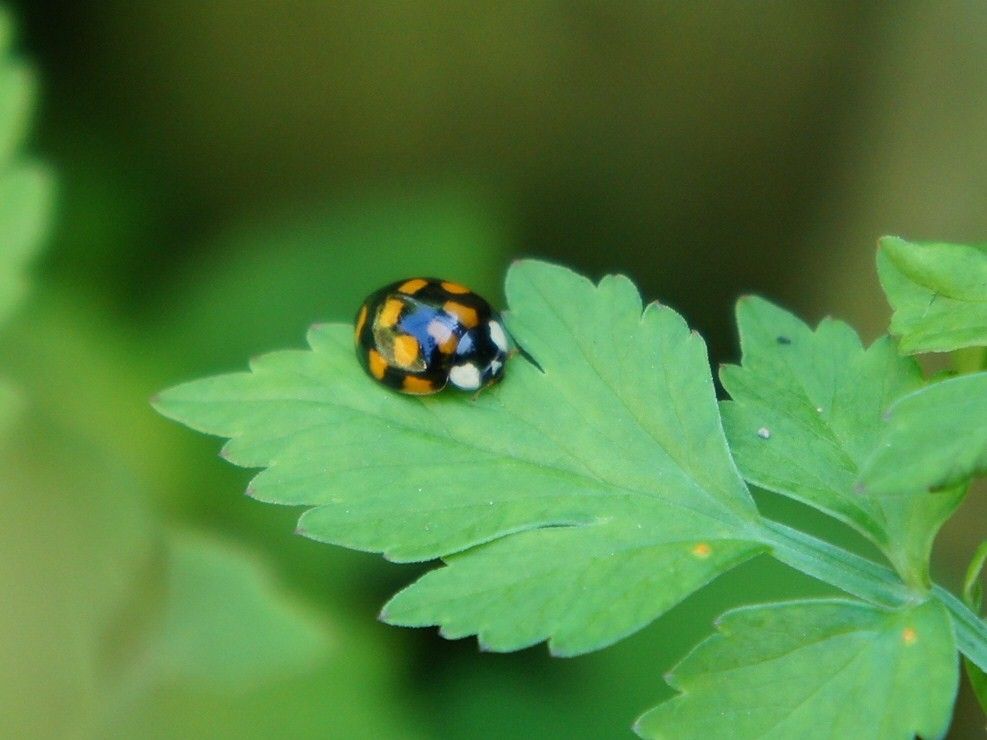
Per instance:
x=871, y=582
x=852, y=573
x=971, y=630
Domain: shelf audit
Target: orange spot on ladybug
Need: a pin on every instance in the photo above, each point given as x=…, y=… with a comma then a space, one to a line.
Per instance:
x=406, y=349
x=702, y=550
x=388, y=315
x=455, y=288
x=909, y=636
x=378, y=366
x=420, y=386
x=361, y=320
x=410, y=287
x=466, y=315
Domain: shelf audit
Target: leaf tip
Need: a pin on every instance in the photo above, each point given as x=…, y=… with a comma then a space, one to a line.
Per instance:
x=250, y=491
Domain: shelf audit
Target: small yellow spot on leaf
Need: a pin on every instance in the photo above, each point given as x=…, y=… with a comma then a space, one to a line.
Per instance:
x=702, y=550
x=909, y=636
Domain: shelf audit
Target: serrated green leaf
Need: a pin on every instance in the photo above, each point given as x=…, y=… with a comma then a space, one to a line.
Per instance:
x=938, y=293
x=226, y=626
x=815, y=669
x=932, y=439
x=806, y=413
x=508, y=585
x=602, y=469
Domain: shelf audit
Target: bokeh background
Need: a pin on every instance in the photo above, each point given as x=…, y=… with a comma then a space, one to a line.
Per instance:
x=230, y=172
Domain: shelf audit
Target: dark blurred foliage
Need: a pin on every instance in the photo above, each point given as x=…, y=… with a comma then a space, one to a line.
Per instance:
x=231, y=172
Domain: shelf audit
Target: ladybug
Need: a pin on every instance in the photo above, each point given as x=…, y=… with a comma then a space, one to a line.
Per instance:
x=420, y=334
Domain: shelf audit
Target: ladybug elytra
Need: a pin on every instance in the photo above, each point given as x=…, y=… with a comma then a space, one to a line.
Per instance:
x=421, y=334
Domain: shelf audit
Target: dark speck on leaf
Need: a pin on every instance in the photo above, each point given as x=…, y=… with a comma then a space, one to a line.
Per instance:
x=784, y=340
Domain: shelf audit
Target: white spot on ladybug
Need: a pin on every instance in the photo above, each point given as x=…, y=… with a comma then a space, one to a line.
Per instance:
x=495, y=365
x=465, y=376
x=497, y=335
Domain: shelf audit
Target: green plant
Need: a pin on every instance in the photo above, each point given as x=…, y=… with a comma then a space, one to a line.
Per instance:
x=587, y=495
x=25, y=193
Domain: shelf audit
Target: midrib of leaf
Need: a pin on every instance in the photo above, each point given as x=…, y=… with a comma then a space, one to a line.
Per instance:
x=728, y=518
x=493, y=457
x=715, y=513
x=561, y=568
x=839, y=670
x=823, y=638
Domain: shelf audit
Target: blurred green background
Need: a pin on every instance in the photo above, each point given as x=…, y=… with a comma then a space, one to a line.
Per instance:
x=229, y=173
